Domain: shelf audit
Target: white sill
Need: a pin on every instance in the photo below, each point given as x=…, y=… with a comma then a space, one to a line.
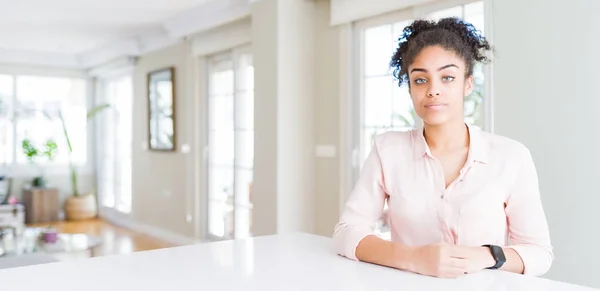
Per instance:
x=28, y=171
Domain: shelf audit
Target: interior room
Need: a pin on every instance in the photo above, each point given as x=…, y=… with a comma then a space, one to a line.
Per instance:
x=135, y=127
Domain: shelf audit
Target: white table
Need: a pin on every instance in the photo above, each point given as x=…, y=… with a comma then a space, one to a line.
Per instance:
x=283, y=262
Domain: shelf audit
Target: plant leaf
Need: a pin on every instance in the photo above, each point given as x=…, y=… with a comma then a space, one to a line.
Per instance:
x=64, y=126
x=95, y=110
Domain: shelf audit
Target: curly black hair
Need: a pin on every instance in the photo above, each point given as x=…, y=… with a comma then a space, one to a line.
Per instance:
x=451, y=33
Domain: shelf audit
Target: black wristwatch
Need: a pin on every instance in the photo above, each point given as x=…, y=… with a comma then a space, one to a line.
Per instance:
x=498, y=255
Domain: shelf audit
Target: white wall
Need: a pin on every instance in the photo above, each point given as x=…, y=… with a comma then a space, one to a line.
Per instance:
x=285, y=87
x=545, y=89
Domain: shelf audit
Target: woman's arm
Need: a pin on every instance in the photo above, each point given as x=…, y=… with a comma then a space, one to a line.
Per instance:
x=378, y=251
x=362, y=209
x=529, y=251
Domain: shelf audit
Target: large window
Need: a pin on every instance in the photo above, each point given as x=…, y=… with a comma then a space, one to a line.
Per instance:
x=230, y=144
x=382, y=105
x=115, y=143
x=30, y=109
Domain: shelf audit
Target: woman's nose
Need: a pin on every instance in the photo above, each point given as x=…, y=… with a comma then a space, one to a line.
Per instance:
x=433, y=92
x=434, y=89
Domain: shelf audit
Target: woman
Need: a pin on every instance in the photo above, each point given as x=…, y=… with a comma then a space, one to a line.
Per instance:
x=460, y=200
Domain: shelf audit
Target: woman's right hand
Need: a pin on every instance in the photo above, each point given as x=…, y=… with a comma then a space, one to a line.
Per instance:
x=438, y=260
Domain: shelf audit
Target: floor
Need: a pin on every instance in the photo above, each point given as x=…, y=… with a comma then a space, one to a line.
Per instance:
x=115, y=240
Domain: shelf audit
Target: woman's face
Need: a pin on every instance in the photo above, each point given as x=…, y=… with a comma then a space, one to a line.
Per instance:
x=438, y=85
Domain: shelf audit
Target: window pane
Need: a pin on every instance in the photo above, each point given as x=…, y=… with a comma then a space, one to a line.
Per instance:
x=114, y=150
x=221, y=147
x=220, y=184
x=398, y=28
x=450, y=12
x=378, y=50
x=378, y=101
x=6, y=86
x=474, y=102
x=221, y=82
x=243, y=222
x=243, y=187
x=245, y=73
x=243, y=209
x=473, y=106
x=6, y=124
x=221, y=112
x=231, y=144
x=403, y=113
x=220, y=217
x=244, y=154
x=474, y=15
x=40, y=101
x=245, y=110
x=6, y=140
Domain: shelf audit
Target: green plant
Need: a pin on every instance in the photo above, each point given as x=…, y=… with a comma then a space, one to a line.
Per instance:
x=30, y=151
x=50, y=150
x=90, y=114
x=33, y=154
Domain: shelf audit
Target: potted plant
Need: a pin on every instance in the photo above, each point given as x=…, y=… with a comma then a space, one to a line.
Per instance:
x=79, y=205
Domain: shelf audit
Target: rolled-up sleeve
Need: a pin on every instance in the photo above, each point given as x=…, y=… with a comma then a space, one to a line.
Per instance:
x=527, y=225
x=363, y=207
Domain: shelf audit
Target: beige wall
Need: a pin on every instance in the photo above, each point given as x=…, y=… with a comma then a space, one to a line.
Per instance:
x=163, y=182
x=327, y=120
x=264, y=188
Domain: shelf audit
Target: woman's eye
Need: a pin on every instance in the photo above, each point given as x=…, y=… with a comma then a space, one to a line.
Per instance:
x=420, y=81
x=448, y=79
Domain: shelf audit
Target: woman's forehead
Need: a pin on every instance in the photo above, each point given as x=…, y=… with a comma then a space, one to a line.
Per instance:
x=435, y=57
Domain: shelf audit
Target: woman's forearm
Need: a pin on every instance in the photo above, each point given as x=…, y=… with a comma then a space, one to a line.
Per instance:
x=514, y=263
x=373, y=249
x=483, y=259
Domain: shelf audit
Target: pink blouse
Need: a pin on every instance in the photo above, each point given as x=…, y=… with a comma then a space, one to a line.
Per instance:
x=495, y=199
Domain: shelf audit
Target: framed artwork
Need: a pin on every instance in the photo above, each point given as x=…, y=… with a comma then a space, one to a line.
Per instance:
x=161, y=110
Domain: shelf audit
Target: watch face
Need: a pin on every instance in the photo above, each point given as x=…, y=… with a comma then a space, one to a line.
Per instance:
x=498, y=254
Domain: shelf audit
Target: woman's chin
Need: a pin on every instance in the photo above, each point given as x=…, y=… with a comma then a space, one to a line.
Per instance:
x=435, y=120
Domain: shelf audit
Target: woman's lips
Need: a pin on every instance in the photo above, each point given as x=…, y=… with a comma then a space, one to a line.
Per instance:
x=436, y=106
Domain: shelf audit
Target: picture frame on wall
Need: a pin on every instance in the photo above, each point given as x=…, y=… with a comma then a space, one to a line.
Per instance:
x=161, y=110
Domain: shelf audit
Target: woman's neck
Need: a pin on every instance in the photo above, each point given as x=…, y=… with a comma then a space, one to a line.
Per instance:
x=448, y=136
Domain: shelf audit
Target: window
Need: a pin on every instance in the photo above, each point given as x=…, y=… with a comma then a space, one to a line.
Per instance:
x=230, y=144
x=115, y=150
x=30, y=108
x=383, y=106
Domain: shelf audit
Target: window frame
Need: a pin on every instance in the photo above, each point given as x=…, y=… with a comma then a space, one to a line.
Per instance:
x=101, y=86
x=226, y=54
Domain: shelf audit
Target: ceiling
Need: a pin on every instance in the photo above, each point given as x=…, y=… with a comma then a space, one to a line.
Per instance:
x=75, y=27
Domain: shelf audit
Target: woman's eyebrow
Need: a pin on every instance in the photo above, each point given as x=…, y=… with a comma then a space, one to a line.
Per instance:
x=425, y=71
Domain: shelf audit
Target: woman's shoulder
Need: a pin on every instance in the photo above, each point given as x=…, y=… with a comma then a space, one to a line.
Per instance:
x=394, y=139
x=504, y=145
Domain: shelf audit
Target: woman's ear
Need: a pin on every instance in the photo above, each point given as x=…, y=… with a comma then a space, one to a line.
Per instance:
x=468, y=85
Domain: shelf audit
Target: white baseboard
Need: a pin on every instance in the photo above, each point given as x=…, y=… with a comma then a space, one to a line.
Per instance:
x=128, y=222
